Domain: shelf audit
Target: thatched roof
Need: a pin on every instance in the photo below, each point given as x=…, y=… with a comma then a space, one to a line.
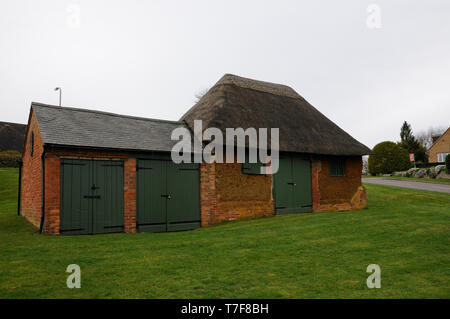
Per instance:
x=240, y=102
x=12, y=136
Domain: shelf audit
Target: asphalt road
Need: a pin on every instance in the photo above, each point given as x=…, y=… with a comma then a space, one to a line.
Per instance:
x=434, y=187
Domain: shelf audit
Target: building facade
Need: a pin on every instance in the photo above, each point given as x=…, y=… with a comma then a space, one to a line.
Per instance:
x=90, y=172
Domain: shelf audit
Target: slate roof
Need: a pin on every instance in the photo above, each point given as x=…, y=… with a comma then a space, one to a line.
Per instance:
x=240, y=102
x=67, y=126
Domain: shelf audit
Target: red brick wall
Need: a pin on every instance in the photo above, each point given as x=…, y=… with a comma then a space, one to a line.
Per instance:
x=129, y=213
x=208, y=199
x=52, y=196
x=31, y=175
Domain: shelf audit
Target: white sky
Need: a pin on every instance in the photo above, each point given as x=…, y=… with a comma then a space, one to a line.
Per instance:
x=149, y=58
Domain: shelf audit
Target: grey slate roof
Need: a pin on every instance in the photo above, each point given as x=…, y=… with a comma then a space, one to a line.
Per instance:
x=66, y=126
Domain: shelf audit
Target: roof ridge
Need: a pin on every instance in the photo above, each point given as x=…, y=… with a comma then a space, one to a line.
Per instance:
x=104, y=113
x=258, y=85
x=438, y=139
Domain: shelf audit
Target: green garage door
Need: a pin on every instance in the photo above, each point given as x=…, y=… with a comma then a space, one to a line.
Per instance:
x=91, y=196
x=168, y=196
x=292, y=185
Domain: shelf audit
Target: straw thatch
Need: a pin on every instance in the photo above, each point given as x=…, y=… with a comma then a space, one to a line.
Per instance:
x=240, y=102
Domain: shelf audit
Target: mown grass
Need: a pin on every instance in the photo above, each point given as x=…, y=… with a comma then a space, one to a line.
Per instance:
x=321, y=255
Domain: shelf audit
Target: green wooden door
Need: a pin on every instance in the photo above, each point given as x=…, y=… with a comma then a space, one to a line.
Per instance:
x=91, y=196
x=282, y=186
x=183, y=205
x=107, y=196
x=292, y=185
x=151, y=206
x=301, y=176
x=168, y=196
x=76, y=211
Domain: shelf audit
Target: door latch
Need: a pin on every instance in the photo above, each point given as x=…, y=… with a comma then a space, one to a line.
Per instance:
x=293, y=184
x=166, y=196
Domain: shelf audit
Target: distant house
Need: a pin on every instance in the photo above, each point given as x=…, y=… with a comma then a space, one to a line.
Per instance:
x=90, y=172
x=12, y=136
x=440, y=148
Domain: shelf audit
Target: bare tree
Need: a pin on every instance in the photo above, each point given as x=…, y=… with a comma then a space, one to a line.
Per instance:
x=426, y=137
x=200, y=94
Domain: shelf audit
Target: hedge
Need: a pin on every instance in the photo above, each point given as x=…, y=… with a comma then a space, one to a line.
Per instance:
x=10, y=159
x=388, y=157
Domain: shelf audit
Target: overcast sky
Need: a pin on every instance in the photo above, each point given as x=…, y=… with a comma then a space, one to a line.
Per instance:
x=150, y=58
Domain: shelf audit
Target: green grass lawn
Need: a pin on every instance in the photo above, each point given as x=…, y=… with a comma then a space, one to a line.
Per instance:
x=323, y=255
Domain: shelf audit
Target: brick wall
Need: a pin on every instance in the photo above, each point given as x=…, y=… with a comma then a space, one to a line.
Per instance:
x=129, y=213
x=31, y=191
x=208, y=199
x=332, y=193
x=227, y=194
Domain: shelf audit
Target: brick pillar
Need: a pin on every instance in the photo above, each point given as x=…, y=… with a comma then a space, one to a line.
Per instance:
x=208, y=199
x=129, y=214
x=52, y=195
x=315, y=170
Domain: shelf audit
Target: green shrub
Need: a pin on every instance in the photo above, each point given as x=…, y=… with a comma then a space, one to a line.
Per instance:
x=447, y=164
x=388, y=157
x=10, y=159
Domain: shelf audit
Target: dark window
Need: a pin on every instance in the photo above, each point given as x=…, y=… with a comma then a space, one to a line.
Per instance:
x=337, y=167
x=252, y=168
x=31, y=143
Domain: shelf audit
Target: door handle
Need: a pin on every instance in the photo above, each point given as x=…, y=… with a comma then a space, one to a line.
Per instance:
x=293, y=184
x=166, y=196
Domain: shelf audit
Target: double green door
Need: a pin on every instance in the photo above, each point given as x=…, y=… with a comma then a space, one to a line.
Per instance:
x=91, y=196
x=292, y=185
x=168, y=196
